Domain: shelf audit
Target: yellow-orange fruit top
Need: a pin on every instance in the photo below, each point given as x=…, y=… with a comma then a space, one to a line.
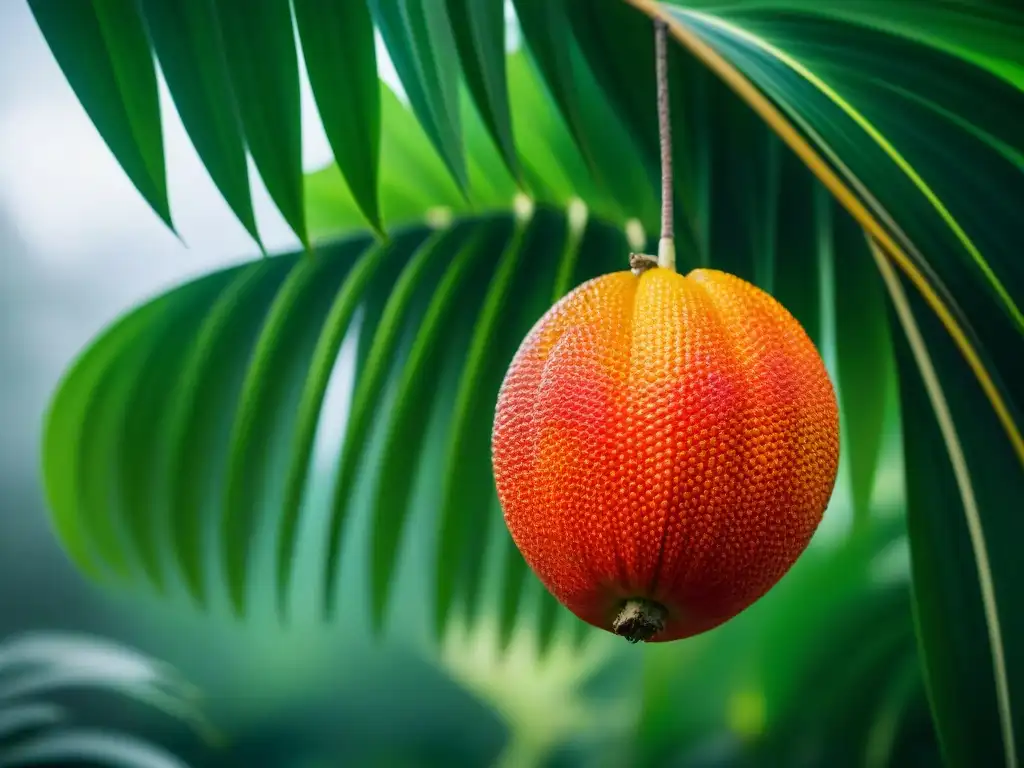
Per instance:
x=669, y=438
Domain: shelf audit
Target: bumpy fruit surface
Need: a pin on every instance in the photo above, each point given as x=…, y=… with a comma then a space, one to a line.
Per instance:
x=665, y=438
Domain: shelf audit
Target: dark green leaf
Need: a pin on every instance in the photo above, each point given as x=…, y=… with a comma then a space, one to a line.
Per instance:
x=338, y=45
x=618, y=44
x=963, y=478
x=187, y=40
x=741, y=236
x=414, y=183
x=820, y=591
x=467, y=489
x=204, y=410
x=893, y=168
x=804, y=235
x=979, y=31
x=840, y=681
x=615, y=42
x=369, y=389
x=102, y=49
x=268, y=406
x=546, y=31
x=526, y=270
x=142, y=431
x=607, y=147
x=416, y=187
x=264, y=68
x=884, y=734
x=419, y=37
x=408, y=420
x=492, y=184
x=479, y=30
x=555, y=172
x=602, y=249
x=863, y=355
x=347, y=300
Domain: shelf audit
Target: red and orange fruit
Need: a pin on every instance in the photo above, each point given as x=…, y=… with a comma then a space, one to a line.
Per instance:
x=664, y=446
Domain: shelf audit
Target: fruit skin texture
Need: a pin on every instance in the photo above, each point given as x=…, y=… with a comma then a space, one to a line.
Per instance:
x=669, y=438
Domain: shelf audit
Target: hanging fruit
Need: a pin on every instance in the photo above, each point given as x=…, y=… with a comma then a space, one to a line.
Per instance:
x=664, y=447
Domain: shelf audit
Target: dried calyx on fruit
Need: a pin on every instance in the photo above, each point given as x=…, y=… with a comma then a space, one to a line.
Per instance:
x=639, y=620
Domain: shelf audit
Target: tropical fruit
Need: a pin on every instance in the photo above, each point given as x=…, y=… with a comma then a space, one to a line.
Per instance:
x=664, y=447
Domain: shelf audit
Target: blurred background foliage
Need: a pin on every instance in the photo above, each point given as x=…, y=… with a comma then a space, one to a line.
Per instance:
x=280, y=469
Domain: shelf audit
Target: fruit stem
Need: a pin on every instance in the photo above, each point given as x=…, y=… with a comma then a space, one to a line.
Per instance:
x=639, y=620
x=667, y=244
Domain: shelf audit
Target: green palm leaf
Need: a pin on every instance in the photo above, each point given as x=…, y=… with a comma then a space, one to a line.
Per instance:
x=798, y=124
x=103, y=51
x=949, y=518
x=36, y=731
x=337, y=41
x=186, y=41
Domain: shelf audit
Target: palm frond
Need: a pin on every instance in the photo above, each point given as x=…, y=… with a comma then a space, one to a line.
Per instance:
x=37, y=731
x=798, y=124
